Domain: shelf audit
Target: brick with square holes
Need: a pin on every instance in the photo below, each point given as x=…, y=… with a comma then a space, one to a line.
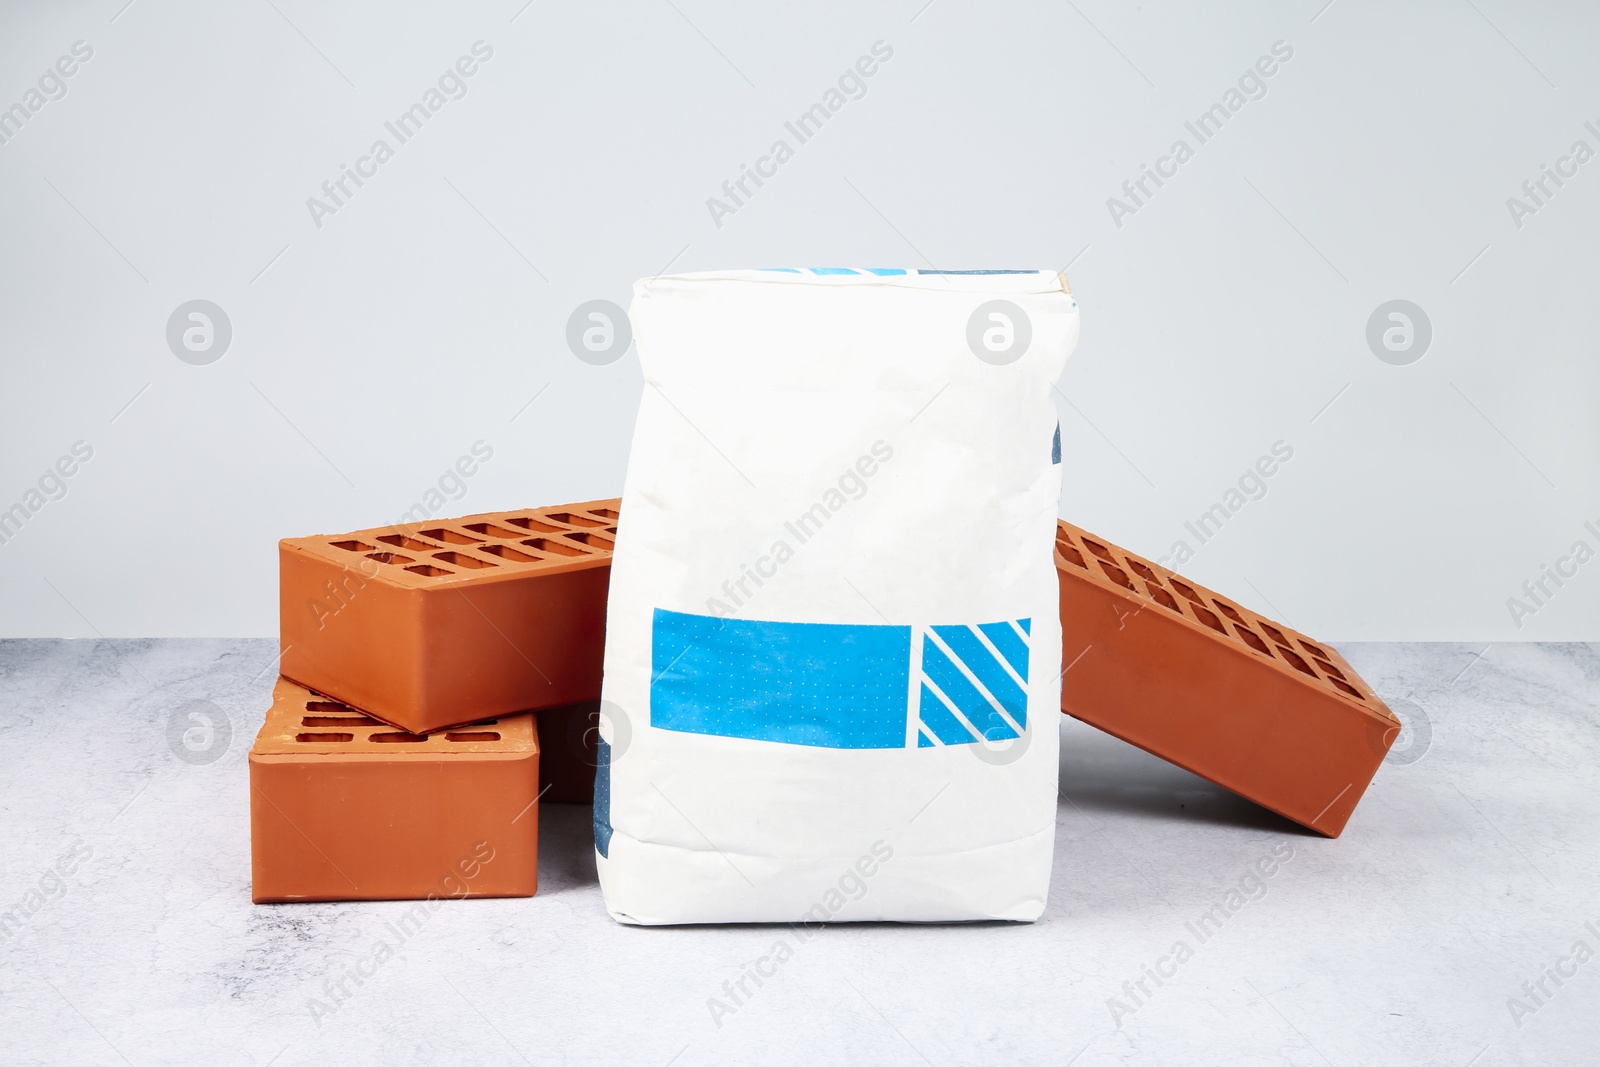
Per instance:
x=426, y=625
x=1205, y=683
x=344, y=807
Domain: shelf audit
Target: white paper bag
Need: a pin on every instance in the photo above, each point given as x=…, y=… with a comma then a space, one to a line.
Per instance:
x=833, y=656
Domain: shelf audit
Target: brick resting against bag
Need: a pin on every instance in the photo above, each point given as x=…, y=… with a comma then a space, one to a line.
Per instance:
x=832, y=665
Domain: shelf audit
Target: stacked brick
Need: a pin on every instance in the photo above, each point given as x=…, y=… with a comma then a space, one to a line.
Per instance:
x=440, y=680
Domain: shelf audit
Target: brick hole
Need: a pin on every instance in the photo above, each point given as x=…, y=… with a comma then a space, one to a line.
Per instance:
x=490, y=530
x=402, y=541
x=545, y=544
x=1346, y=687
x=592, y=540
x=1116, y=575
x=472, y=735
x=324, y=737
x=1187, y=590
x=507, y=553
x=1254, y=641
x=1144, y=572
x=1098, y=549
x=459, y=559
x=612, y=530
x=453, y=537
x=1165, y=599
x=338, y=720
x=390, y=557
x=352, y=546
x=1274, y=633
x=1313, y=649
x=329, y=706
x=1229, y=610
x=1294, y=659
x=1330, y=670
x=429, y=572
x=390, y=739
x=605, y=513
x=1209, y=619
x=533, y=525
x=1071, y=554
x=573, y=520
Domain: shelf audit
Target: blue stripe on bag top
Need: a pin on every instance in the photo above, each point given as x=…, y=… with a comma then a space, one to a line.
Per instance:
x=835, y=685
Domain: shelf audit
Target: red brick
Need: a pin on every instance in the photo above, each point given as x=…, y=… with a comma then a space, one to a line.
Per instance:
x=343, y=807
x=1195, y=678
x=426, y=625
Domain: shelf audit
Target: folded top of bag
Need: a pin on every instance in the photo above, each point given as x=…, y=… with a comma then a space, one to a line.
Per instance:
x=962, y=281
x=876, y=328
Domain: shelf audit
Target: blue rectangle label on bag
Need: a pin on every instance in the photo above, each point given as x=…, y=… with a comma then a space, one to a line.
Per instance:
x=838, y=685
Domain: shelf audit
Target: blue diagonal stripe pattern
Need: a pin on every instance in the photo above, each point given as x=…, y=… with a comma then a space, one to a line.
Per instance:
x=981, y=690
x=1011, y=645
x=940, y=721
x=989, y=671
x=975, y=692
x=962, y=694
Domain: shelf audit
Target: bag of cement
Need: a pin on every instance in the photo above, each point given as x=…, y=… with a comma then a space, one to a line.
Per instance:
x=832, y=667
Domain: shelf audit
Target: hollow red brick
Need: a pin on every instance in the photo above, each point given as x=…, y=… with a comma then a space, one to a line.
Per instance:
x=426, y=625
x=344, y=807
x=1203, y=682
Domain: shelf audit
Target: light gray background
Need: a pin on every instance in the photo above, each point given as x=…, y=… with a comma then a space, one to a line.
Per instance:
x=1229, y=313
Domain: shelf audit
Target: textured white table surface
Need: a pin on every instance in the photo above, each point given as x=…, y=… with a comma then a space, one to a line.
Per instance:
x=1464, y=874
